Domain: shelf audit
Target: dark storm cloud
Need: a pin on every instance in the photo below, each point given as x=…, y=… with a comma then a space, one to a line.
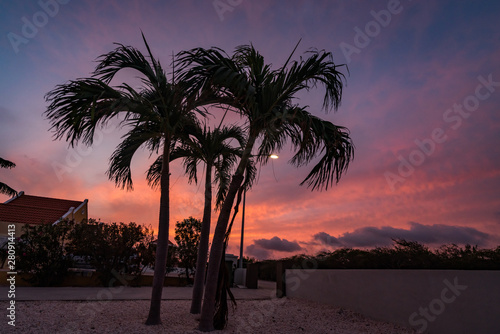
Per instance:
x=257, y=252
x=326, y=239
x=263, y=248
x=278, y=244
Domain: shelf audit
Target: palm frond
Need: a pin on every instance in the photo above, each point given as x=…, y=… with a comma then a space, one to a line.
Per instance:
x=79, y=107
x=153, y=175
x=331, y=142
x=213, y=70
x=317, y=68
x=190, y=166
x=6, y=190
x=120, y=162
x=124, y=57
x=6, y=163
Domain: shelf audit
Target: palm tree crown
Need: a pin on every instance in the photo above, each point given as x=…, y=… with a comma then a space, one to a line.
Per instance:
x=266, y=98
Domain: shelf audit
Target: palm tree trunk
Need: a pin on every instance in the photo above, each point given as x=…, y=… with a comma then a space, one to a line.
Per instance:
x=162, y=243
x=201, y=262
x=208, y=309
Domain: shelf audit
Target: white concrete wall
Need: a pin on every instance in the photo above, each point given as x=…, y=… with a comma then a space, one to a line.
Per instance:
x=430, y=301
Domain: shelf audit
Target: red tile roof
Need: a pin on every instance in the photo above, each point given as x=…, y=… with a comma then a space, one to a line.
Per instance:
x=27, y=209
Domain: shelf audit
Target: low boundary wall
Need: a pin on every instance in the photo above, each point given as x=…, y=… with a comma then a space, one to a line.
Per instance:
x=429, y=301
x=87, y=279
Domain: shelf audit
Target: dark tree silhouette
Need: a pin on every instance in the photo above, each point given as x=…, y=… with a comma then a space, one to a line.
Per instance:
x=187, y=237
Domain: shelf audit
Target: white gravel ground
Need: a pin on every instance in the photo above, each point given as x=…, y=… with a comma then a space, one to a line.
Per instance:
x=250, y=316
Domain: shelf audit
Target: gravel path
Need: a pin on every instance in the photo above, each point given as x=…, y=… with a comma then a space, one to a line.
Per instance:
x=250, y=316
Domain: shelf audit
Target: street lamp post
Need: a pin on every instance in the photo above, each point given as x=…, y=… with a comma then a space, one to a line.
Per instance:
x=272, y=156
x=242, y=228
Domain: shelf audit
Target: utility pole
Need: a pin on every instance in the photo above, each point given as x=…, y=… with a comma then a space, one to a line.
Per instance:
x=242, y=228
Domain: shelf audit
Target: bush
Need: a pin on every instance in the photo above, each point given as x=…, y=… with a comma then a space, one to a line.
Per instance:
x=123, y=248
x=47, y=251
x=41, y=252
x=403, y=255
x=187, y=236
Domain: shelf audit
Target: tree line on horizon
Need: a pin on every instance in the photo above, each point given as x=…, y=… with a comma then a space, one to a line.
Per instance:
x=168, y=118
x=403, y=254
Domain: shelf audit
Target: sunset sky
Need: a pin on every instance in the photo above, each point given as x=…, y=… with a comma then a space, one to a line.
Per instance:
x=422, y=102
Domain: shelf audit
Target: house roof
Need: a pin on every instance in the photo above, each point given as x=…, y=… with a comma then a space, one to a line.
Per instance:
x=27, y=209
x=170, y=243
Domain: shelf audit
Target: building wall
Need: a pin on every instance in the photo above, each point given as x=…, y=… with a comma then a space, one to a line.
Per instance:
x=430, y=301
x=81, y=214
x=4, y=228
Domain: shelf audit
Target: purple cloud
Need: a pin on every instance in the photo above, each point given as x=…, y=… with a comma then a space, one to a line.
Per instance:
x=436, y=234
x=263, y=248
x=278, y=244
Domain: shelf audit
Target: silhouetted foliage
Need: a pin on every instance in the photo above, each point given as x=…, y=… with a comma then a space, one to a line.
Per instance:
x=172, y=258
x=47, y=251
x=41, y=252
x=124, y=248
x=248, y=260
x=187, y=237
x=4, y=188
x=403, y=255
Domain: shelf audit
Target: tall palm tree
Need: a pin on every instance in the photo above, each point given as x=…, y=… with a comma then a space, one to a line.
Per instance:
x=4, y=188
x=212, y=148
x=266, y=98
x=158, y=115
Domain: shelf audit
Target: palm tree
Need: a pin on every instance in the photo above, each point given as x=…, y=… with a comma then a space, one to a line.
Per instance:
x=5, y=189
x=266, y=98
x=212, y=148
x=158, y=115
